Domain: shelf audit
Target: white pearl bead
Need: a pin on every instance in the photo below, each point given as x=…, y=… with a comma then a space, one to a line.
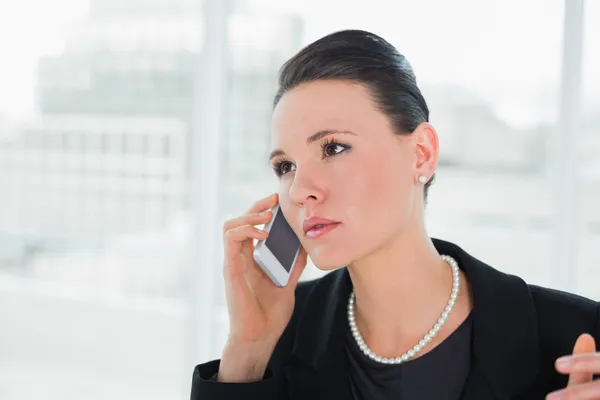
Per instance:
x=426, y=339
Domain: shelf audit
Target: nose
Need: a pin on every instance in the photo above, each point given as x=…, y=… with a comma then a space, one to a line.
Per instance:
x=305, y=189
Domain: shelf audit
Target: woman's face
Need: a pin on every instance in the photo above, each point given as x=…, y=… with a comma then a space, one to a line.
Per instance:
x=337, y=158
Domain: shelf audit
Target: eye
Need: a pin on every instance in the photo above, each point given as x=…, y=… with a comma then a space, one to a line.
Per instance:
x=332, y=148
x=283, y=167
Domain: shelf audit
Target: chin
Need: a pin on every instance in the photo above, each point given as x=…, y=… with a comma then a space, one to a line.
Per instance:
x=327, y=260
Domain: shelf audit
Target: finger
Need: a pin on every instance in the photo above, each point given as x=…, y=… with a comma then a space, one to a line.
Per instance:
x=585, y=344
x=580, y=363
x=298, y=267
x=234, y=243
x=245, y=232
x=584, y=391
x=258, y=218
x=264, y=204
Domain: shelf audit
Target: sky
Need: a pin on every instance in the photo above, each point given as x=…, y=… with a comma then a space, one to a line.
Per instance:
x=504, y=50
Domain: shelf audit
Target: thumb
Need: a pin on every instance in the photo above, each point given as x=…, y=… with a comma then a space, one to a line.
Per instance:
x=585, y=344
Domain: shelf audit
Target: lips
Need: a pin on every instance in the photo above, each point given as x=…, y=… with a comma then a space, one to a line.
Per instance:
x=315, y=227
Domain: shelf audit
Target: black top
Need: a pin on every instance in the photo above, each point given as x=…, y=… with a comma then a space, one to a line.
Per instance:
x=439, y=374
x=519, y=330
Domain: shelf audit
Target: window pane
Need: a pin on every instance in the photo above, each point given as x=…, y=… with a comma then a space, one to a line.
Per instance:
x=95, y=112
x=589, y=140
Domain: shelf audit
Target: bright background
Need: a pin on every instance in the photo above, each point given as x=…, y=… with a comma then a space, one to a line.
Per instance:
x=131, y=129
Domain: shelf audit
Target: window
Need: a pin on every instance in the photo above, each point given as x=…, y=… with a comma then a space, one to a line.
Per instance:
x=113, y=252
x=588, y=146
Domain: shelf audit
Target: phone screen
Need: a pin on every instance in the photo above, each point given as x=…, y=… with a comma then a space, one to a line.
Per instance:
x=282, y=241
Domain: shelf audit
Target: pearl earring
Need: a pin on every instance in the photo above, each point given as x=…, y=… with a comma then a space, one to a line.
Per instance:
x=422, y=179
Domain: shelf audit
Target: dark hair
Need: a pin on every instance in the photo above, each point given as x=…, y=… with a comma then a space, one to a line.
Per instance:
x=366, y=58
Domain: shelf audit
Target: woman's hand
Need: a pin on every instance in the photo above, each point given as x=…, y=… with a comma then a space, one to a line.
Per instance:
x=259, y=311
x=581, y=366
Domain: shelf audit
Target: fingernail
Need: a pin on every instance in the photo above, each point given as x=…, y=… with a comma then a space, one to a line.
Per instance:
x=555, y=396
x=564, y=362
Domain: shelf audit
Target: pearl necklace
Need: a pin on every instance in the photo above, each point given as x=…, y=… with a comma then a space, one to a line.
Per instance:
x=426, y=339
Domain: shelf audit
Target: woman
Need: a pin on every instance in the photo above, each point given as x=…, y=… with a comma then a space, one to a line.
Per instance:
x=407, y=316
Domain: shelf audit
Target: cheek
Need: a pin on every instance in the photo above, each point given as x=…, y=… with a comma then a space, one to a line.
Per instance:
x=382, y=180
x=379, y=191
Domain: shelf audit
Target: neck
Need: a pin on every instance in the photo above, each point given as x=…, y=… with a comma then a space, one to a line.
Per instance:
x=401, y=290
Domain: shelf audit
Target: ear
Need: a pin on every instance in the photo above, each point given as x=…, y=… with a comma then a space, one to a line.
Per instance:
x=426, y=140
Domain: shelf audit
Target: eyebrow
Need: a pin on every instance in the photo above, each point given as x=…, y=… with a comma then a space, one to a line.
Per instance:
x=313, y=138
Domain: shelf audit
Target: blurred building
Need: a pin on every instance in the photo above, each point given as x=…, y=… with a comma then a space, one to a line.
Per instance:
x=78, y=179
x=474, y=137
x=108, y=157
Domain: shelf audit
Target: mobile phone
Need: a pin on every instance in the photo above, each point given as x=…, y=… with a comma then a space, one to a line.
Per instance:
x=278, y=253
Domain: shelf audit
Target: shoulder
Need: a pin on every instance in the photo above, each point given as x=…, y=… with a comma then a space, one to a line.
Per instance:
x=563, y=316
x=570, y=305
x=558, y=314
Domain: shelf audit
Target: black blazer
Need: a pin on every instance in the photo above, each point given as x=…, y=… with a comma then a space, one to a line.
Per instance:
x=518, y=332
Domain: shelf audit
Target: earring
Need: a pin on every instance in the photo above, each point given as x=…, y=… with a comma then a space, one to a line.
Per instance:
x=423, y=179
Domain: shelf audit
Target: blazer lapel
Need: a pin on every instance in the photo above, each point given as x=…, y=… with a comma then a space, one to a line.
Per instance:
x=303, y=382
x=476, y=388
x=505, y=339
x=318, y=368
x=328, y=381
